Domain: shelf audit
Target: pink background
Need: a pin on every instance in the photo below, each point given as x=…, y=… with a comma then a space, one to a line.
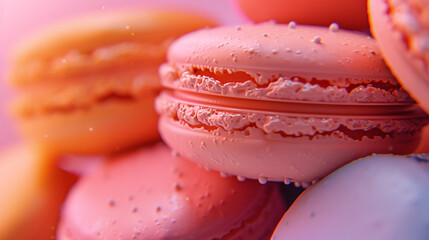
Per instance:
x=18, y=18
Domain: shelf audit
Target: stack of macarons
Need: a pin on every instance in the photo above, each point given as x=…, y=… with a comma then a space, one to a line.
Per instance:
x=294, y=96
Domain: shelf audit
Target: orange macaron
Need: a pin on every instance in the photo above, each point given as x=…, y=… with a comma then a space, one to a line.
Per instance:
x=87, y=86
x=31, y=193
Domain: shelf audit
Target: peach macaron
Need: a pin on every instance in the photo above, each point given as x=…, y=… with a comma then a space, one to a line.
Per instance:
x=151, y=194
x=31, y=193
x=282, y=102
x=87, y=85
x=382, y=197
x=351, y=14
x=402, y=32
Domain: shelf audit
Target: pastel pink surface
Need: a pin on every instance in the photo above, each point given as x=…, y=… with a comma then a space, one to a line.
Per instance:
x=382, y=197
x=402, y=29
x=282, y=102
x=150, y=194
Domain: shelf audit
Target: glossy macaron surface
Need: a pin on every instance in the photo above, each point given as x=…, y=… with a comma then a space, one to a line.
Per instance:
x=150, y=194
x=382, y=197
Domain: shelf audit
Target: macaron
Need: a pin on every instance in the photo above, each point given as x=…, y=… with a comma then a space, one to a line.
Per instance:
x=151, y=194
x=350, y=14
x=31, y=193
x=282, y=102
x=87, y=85
x=382, y=197
x=402, y=32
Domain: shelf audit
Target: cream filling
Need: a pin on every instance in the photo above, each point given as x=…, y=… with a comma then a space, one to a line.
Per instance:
x=240, y=84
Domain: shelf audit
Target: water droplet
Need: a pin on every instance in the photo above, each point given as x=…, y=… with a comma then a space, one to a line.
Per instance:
x=64, y=60
x=265, y=35
x=312, y=213
x=112, y=203
x=263, y=180
x=238, y=28
x=224, y=175
x=305, y=184
x=274, y=51
x=127, y=27
x=287, y=181
x=334, y=27
x=292, y=25
x=173, y=220
x=158, y=209
x=135, y=209
x=241, y=178
x=203, y=146
x=297, y=184
x=90, y=129
x=317, y=39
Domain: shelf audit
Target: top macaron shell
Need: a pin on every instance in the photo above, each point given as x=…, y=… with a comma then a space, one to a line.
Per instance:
x=257, y=56
x=382, y=197
x=402, y=31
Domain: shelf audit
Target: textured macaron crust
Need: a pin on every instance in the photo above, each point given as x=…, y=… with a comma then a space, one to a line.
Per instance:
x=402, y=31
x=31, y=193
x=87, y=86
x=151, y=194
x=351, y=14
x=382, y=197
x=282, y=102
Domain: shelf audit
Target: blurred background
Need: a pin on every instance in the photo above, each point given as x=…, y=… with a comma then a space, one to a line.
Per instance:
x=20, y=18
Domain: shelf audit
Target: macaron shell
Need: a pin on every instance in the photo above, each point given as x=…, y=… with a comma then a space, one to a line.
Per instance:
x=254, y=154
x=267, y=48
x=279, y=62
x=101, y=129
x=349, y=15
x=402, y=35
x=108, y=27
x=382, y=197
x=149, y=194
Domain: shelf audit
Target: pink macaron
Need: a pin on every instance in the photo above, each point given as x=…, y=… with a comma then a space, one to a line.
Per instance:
x=151, y=194
x=401, y=28
x=382, y=197
x=282, y=102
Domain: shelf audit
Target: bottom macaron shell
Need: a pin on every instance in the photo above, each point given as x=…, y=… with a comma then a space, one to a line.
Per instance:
x=252, y=154
x=150, y=194
x=108, y=127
